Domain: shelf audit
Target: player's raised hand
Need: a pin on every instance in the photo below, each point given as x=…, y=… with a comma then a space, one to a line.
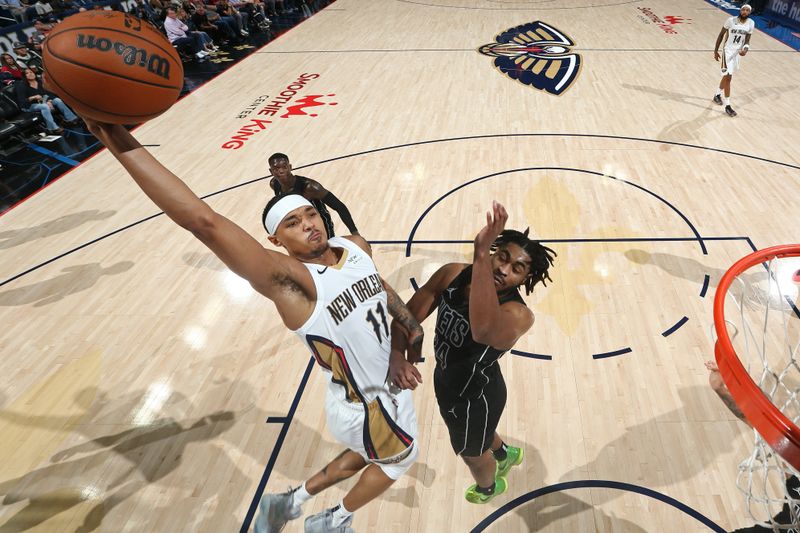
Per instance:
x=495, y=223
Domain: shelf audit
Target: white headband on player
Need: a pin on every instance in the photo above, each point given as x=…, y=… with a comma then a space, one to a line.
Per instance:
x=283, y=207
x=748, y=6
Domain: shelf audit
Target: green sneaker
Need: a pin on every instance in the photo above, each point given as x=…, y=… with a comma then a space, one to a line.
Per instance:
x=513, y=458
x=473, y=496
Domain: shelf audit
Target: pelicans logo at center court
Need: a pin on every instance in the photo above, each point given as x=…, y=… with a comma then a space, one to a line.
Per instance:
x=536, y=54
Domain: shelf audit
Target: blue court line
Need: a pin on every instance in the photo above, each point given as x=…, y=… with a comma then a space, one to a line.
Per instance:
x=54, y=155
x=532, y=355
x=277, y=420
x=549, y=241
x=706, y=280
x=378, y=242
x=421, y=143
x=677, y=326
x=424, y=214
x=615, y=353
x=601, y=484
x=251, y=512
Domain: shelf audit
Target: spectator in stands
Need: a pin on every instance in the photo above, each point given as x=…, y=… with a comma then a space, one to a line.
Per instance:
x=41, y=30
x=145, y=11
x=81, y=5
x=220, y=29
x=273, y=6
x=16, y=7
x=42, y=8
x=31, y=96
x=160, y=8
x=189, y=8
x=236, y=19
x=178, y=34
x=26, y=58
x=9, y=65
x=255, y=12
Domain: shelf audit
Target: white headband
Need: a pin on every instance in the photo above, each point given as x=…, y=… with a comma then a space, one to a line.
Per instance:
x=283, y=207
x=746, y=5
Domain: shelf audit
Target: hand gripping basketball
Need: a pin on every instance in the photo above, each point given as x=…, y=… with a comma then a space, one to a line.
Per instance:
x=112, y=67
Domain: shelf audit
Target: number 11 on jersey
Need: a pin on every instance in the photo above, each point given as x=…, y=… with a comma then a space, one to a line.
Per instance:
x=375, y=324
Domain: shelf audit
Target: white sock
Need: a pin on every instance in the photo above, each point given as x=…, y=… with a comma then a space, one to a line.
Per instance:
x=719, y=92
x=340, y=514
x=300, y=495
x=727, y=101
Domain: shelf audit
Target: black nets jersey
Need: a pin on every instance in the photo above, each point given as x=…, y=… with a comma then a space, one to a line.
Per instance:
x=463, y=367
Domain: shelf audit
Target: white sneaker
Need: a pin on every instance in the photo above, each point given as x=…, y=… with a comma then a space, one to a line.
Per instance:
x=201, y=54
x=244, y=33
x=323, y=523
x=274, y=511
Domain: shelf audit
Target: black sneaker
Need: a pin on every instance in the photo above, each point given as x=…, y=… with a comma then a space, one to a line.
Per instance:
x=729, y=110
x=718, y=99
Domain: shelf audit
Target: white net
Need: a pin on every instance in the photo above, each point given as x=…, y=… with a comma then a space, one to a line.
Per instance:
x=763, y=323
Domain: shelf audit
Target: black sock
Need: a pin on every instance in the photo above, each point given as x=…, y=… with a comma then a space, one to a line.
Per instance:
x=486, y=490
x=500, y=454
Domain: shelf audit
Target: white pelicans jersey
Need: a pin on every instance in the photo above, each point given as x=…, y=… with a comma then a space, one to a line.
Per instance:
x=736, y=32
x=348, y=334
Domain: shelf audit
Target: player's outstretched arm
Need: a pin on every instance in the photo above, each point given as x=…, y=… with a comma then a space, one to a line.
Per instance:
x=493, y=324
x=422, y=304
x=235, y=247
x=407, y=334
x=716, y=382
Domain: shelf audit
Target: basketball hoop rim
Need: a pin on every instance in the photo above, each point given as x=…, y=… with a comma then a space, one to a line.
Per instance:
x=773, y=426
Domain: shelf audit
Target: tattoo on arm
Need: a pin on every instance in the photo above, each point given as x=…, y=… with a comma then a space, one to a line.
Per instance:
x=400, y=312
x=732, y=407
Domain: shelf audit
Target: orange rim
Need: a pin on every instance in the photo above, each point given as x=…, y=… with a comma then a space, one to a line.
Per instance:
x=773, y=426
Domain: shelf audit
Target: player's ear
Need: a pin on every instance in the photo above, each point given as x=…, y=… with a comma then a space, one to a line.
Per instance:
x=275, y=241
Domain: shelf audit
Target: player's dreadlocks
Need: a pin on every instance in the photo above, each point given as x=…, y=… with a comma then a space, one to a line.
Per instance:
x=541, y=256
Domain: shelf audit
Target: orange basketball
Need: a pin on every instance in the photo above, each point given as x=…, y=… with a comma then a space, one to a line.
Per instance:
x=112, y=67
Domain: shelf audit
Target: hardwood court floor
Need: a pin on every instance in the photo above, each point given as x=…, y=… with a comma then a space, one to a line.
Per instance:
x=138, y=372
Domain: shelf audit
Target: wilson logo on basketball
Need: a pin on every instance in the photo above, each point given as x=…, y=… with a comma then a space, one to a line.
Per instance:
x=131, y=55
x=537, y=55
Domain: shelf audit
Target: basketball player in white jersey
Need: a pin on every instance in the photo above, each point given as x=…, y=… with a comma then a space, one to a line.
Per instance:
x=736, y=31
x=329, y=293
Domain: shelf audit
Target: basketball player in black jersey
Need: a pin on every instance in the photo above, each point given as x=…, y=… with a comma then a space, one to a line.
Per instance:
x=480, y=316
x=285, y=182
